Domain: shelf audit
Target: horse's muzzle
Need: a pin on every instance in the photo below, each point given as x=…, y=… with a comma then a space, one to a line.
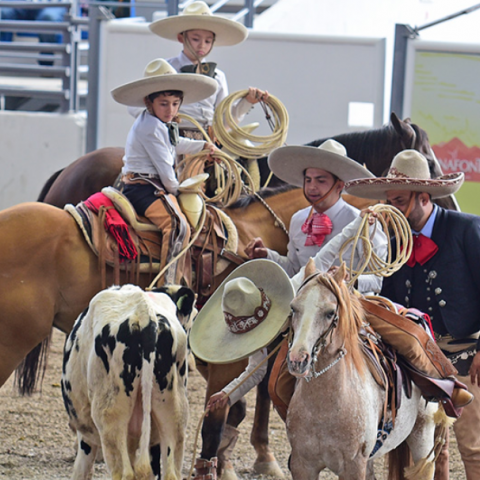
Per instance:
x=299, y=368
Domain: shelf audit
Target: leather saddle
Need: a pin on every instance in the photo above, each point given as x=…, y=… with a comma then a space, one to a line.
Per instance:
x=213, y=253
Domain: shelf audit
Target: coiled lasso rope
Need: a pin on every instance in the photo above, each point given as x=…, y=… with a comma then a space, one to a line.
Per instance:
x=390, y=218
x=227, y=172
x=224, y=123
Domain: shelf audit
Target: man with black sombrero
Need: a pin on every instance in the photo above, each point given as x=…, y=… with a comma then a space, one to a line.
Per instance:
x=322, y=173
x=198, y=30
x=243, y=316
x=441, y=278
x=153, y=142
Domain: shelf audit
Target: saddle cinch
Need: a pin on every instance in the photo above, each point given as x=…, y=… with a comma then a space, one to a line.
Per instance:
x=213, y=254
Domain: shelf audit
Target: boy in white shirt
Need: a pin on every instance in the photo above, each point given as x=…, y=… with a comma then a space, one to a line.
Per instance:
x=152, y=144
x=197, y=29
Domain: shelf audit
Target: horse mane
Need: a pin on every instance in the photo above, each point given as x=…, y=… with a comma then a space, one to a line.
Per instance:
x=350, y=319
x=246, y=200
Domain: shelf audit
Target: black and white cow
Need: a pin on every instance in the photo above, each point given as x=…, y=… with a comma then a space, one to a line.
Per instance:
x=124, y=381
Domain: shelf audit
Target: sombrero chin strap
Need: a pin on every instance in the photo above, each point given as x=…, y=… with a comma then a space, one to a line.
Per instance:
x=320, y=199
x=410, y=204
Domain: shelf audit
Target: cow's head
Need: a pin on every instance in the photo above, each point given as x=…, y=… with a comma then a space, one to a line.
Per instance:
x=184, y=298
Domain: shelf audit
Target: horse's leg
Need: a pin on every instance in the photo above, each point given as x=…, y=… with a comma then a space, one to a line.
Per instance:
x=265, y=464
x=24, y=329
x=303, y=468
x=213, y=425
x=370, y=475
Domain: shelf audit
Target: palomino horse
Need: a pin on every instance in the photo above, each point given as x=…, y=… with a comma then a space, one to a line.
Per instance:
x=334, y=419
x=49, y=275
x=373, y=148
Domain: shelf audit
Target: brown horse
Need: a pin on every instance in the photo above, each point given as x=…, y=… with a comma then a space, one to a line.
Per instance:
x=49, y=275
x=373, y=148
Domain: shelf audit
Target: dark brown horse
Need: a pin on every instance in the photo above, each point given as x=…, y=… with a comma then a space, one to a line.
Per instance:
x=49, y=275
x=373, y=148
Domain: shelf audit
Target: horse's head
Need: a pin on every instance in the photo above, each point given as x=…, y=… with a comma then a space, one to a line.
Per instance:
x=315, y=314
x=411, y=136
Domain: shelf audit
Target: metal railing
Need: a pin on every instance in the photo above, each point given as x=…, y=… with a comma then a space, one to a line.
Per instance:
x=20, y=59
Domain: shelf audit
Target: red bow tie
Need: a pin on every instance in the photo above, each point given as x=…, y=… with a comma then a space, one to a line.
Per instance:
x=424, y=249
x=316, y=227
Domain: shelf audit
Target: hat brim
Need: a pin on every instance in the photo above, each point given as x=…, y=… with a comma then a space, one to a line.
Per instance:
x=376, y=188
x=289, y=164
x=210, y=338
x=227, y=32
x=194, y=87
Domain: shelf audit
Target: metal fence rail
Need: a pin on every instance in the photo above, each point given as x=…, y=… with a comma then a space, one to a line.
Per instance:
x=20, y=59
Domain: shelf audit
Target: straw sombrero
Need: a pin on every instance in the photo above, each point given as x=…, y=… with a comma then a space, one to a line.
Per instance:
x=409, y=171
x=197, y=16
x=289, y=163
x=254, y=317
x=159, y=76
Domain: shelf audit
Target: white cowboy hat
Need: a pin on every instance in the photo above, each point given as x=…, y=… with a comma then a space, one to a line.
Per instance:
x=239, y=318
x=197, y=16
x=159, y=76
x=409, y=171
x=289, y=163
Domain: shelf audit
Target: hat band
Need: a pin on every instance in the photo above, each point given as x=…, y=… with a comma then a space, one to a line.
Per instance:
x=246, y=323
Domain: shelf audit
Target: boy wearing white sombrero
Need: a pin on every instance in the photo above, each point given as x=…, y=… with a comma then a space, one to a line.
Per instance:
x=198, y=30
x=152, y=144
x=322, y=173
x=442, y=278
x=244, y=315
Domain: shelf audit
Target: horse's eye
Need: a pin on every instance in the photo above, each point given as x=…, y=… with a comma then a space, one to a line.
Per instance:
x=330, y=314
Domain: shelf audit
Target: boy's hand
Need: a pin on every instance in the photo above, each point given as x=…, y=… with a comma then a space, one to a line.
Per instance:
x=256, y=95
x=211, y=147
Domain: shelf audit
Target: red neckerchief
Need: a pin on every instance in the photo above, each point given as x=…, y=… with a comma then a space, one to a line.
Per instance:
x=316, y=227
x=115, y=225
x=424, y=249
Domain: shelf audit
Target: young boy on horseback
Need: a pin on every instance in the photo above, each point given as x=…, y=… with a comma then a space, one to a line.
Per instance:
x=152, y=143
x=198, y=31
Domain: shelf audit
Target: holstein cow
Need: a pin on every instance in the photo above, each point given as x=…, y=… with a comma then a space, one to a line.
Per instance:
x=124, y=381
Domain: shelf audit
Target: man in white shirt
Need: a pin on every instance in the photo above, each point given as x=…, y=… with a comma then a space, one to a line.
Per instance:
x=322, y=172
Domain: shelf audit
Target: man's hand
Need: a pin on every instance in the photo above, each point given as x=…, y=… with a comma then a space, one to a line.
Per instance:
x=256, y=249
x=256, y=95
x=216, y=401
x=475, y=370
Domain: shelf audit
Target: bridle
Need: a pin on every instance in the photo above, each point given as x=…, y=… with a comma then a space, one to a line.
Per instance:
x=321, y=342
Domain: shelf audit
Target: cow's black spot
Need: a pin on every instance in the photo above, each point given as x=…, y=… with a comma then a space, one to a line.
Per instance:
x=139, y=345
x=67, y=401
x=85, y=447
x=155, y=455
x=104, y=346
x=164, y=358
x=73, y=337
x=183, y=368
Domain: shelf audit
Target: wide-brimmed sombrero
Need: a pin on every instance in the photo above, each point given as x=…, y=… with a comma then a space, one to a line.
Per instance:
x=245, y=313
x=289, y=163
x=159, y=76
x=195, y=16
x=409, y=171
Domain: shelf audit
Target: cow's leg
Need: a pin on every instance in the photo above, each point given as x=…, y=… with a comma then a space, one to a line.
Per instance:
x=265, y=464
x=171, y=415
x=85, y=459
x=112, y=420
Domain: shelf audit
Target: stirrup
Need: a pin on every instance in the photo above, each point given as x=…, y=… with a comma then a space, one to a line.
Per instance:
x=205, y=469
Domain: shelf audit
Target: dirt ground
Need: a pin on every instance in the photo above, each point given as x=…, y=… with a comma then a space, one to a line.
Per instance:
x=36, y=442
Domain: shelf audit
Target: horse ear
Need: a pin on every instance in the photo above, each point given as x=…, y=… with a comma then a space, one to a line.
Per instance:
x=310, y=268
x=341, y=273
x=403, y=129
